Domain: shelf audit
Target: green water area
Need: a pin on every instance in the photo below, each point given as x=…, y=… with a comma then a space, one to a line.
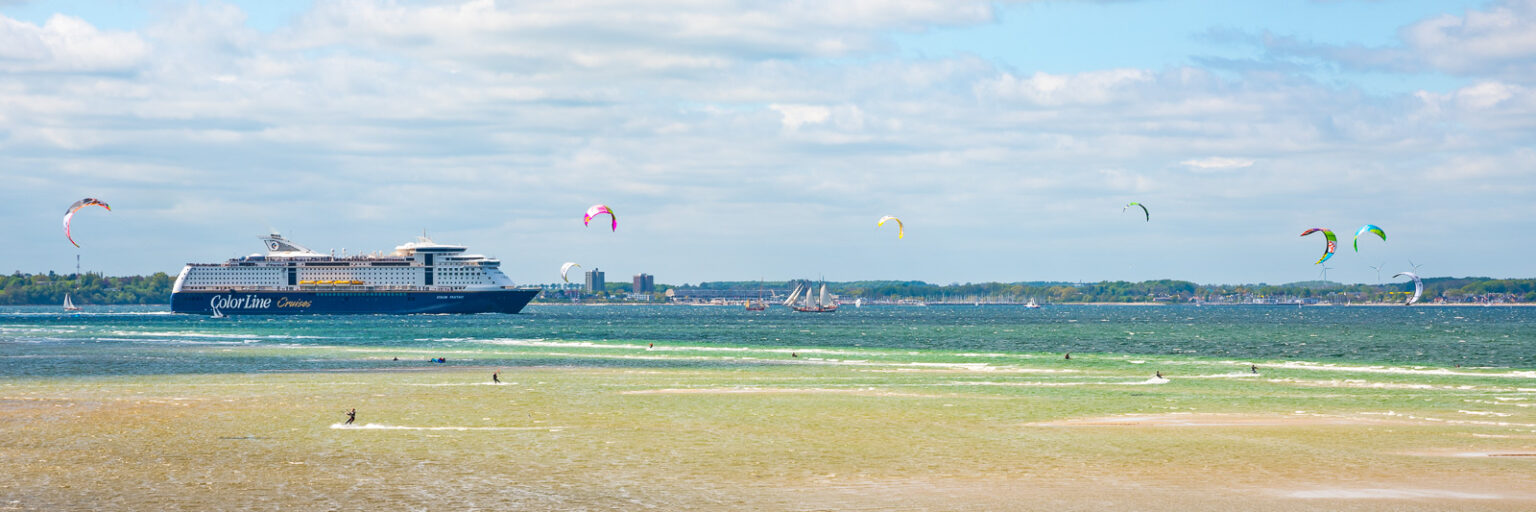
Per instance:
x=673, y=408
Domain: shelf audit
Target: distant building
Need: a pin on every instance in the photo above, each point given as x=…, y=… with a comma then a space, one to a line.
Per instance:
x=595, y=282
x=644, y=283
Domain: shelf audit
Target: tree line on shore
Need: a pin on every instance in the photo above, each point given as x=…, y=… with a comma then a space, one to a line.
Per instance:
x=88, y=288
x=19, y=289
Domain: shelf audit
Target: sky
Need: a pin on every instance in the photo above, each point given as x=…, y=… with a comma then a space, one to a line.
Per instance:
x=749, y=139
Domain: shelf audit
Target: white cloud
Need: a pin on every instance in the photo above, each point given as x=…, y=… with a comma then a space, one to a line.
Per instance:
x=1092, y=88
x=1217, y=163
x=795, y=116
x=67, y=44
x=1480, y=96
x=540, y=35
x=498, y=121
x=1500, y=40
x=1497, y=42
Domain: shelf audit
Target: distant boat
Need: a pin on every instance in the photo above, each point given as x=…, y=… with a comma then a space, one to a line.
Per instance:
x=1031, y=304
x=759, y=304
x=69, y=305
x=811, y=302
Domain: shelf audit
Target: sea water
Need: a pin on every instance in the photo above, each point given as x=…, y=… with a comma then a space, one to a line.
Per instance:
x=127, y=340
x=714, y=408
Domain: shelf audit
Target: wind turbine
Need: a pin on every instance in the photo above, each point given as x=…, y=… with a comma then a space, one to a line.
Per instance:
x=1377, y=268
x=1324, y=273
x=1415, y=266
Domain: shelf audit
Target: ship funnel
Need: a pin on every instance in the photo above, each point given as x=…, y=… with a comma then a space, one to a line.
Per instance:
x=277, y=244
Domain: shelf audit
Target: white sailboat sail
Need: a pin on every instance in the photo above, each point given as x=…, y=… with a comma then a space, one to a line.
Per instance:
x=824, y=300
x=792, y=296
x=69, y=305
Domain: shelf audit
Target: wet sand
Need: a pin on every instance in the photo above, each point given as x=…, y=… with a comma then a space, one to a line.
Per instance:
x=795, y=436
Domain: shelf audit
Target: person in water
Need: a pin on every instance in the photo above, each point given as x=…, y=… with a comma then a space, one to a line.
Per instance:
x=1159, y=374
x=1069, y=355
x=351, y=415
x=1253, y=368
x=495, y=376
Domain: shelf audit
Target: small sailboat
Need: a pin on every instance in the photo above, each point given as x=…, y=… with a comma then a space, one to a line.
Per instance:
x=1031, y=304
x=69, y=305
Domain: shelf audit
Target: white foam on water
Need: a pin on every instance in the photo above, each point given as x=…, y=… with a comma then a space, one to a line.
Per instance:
x=1486, y=413
x=376, y=426
x=1398, y=494
x=1149, y=382
x=975, y=367
x=1234, y=375
x=89, y=313
x=1506, y=404
x=998, y=369
x=541, y=342
x=1488, y=423
x=1023, y=384
x=1417, y=370
x=179, y=334
x=1365, y=384
x=214, y=335
x=862, y=391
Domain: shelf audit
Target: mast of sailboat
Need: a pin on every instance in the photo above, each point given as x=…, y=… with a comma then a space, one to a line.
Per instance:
x=69, y=305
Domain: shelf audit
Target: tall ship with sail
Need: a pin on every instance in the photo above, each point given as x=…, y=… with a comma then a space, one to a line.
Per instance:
x=805, y=299
x=421, y=277
x=759, y=304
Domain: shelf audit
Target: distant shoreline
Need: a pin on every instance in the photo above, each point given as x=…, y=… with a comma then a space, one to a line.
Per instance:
x=1115, y=304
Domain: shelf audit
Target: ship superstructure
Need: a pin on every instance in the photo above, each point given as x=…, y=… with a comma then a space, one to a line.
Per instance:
x=418, y=277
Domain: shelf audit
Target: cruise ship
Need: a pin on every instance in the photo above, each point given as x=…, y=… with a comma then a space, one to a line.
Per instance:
x=421, y=277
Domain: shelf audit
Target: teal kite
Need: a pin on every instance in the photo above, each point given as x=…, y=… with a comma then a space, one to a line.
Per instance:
x=1368, y=228
x=1143, y=210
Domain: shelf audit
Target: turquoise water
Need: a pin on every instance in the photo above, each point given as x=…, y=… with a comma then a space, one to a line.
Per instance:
x=129, y=340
